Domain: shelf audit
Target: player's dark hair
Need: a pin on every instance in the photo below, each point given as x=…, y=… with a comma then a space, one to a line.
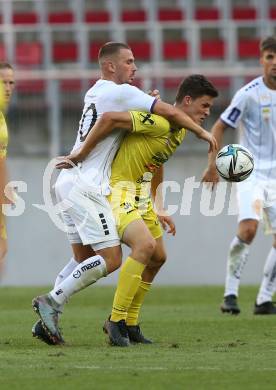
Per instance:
x=5, y=65
x=110, y=48
x=195, y=86
x=268, y=43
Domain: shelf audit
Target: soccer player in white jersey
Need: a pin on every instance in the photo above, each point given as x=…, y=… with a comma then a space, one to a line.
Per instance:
x=253, y=111
x=94, y=238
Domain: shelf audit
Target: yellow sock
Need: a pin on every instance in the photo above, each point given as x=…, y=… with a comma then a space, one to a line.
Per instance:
x=135, y=307
x=128, y=283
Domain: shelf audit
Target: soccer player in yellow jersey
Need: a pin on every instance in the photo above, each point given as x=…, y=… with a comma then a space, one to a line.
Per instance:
x=150, y=143
x=6, y=89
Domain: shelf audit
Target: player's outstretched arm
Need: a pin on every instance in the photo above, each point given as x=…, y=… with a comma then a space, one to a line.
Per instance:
x=210, y=174
x=102, y=128
x=178, y=117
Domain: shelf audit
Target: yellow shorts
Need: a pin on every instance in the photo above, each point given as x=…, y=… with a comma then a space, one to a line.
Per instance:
x=3, y=232
x=130, y=208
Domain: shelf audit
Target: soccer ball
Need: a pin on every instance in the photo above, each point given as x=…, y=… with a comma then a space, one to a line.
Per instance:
x=234, y=163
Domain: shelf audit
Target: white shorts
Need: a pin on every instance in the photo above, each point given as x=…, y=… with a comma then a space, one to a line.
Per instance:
x=257, y=200
x=88, y=217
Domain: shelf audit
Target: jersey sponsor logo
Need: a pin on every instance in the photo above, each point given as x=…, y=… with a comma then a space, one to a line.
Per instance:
x=234, y=114
x=266, y=103
x=146, y=119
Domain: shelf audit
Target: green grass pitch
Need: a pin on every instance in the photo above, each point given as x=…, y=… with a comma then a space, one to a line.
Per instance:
x=196, y=347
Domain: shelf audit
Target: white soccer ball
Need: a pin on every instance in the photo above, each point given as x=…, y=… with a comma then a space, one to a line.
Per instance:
x=234, y=163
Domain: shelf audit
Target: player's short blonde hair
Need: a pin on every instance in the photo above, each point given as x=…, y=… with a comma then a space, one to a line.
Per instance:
x=111, y=48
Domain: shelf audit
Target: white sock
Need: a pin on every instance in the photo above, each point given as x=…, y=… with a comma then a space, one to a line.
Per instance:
x=269, y=279
x=86, y=273
x=236, y=261
x=66, y=271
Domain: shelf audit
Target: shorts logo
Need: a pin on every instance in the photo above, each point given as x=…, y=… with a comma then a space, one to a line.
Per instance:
x=76, y=274
x=58, y=292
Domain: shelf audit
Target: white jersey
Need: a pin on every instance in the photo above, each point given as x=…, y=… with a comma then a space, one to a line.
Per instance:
x=253, y=111
x=106, y=96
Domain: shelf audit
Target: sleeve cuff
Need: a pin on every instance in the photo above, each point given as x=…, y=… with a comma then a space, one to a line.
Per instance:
x=153, y=104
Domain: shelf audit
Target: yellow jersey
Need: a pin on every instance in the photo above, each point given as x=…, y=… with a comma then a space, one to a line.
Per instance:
x=3, y=136
x=3, y=152
x=146, y=148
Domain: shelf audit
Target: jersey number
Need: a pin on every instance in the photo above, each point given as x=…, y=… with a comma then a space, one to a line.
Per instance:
x=92, y=107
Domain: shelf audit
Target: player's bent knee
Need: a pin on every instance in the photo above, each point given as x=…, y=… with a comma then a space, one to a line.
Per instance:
x=147, y=246
x=158, y=261
x=143, y=250
x=248, y=234
x=113, y=264
x=162, y=259
x=247, y=230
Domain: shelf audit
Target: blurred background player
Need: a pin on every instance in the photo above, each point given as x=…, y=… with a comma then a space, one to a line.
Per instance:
x=253, y=111
x=6, y=88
